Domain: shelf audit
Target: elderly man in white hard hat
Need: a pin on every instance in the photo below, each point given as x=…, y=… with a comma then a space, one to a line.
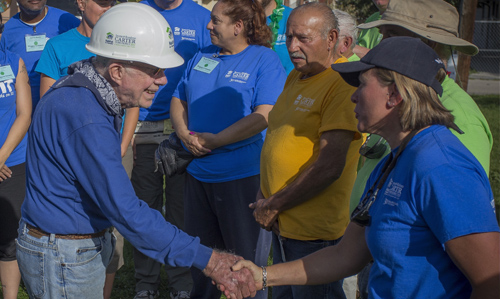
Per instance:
x=76, y=185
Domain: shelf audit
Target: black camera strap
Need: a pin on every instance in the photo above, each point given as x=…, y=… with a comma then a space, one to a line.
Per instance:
x=360, y=215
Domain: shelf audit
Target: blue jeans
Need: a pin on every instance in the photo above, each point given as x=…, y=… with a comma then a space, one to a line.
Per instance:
x=285, y=250
x=61, y=268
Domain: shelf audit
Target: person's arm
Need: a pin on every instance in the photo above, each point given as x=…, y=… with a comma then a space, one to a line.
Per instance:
x=244, y=128
x=179, y=118
x=320, y=174
x=22, y=122
x=360, y=51
x=478, y=257
x=323, y=266
x=129, y=125
x=45, y=83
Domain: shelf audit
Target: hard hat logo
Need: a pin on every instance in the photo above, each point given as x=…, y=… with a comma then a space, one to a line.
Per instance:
x=109, y=38
x=170, y=33
x=125, y=41
x=145, y=37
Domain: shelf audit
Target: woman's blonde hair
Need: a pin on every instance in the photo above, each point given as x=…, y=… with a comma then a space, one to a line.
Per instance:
x=420, y=106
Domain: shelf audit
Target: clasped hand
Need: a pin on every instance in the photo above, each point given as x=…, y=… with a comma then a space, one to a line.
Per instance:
x=234, y=284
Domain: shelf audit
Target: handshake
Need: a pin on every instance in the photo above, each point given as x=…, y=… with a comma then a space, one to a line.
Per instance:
x=235, y=277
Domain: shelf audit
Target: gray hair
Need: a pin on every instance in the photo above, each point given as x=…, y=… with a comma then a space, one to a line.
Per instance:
x=329, y=19
x=347, y=25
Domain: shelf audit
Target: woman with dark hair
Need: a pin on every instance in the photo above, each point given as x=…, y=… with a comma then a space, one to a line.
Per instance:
x=427, y=217
x=15, y=118
x=220, y=111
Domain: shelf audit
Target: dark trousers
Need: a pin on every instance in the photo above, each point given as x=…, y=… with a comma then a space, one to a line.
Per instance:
x=12, y=192
x=218, y=213
x=148, y=186
x=285, y=250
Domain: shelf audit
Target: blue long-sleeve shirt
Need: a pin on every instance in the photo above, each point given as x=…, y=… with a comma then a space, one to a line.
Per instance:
x=76, y=183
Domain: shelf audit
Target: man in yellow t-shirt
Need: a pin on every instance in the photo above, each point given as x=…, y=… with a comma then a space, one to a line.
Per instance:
x=310, y=154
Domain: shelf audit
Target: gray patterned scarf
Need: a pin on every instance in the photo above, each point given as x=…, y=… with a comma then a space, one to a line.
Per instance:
x=110, y=100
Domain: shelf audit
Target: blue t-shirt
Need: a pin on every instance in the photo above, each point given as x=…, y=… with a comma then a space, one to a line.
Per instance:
x=61, y=51
x=8, y=108
x=280, y=45
x=189, y=23
x=16, y=32
x=437, y=192
x=229, y=92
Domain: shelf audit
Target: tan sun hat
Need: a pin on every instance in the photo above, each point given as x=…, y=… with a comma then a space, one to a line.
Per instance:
x=435, y=20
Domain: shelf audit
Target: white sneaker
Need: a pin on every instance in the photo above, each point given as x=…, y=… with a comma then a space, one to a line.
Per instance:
x=147, y=294
x=180, y=295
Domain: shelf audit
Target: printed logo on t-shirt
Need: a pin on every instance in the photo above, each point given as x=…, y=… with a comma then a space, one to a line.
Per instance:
x=7, y=88
x=281, y=39
x=186, y=34
x=390, y=203
x=239, y=77
x=304, y=103
x=394, y=189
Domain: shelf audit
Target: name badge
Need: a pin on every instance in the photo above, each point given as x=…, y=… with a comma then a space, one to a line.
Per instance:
x=206, y=65
x=35, y=42
x=6, y=73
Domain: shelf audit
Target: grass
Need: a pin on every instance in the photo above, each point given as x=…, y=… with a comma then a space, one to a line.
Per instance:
x=489, y=105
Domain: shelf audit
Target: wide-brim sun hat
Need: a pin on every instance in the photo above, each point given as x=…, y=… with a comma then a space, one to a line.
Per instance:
x=435, y=20
x=405, y=55
x=135, y=32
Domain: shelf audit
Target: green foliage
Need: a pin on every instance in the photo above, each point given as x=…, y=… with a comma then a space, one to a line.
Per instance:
x=359, y=9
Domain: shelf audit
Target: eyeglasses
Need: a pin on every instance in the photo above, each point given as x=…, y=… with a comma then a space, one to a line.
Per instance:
x=374, y=151
x=152, y=70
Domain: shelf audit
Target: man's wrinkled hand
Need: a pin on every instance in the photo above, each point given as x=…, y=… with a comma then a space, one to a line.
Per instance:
x=233, y=284
x=264, y=214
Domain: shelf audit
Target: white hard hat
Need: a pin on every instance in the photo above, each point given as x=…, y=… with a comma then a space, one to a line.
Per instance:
x=135, y=32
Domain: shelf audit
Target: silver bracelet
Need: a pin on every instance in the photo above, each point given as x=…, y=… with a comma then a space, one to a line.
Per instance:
x=264, y=277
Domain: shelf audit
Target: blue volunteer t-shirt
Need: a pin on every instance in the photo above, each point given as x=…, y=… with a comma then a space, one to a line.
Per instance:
x=16, y=34
x=220, y=97
x=437, y=192
x=8, y=107
x=189, y=24
x=280, y=45
x=61, y=51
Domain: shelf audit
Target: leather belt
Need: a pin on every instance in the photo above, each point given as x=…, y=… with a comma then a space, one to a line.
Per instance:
x=38, y=233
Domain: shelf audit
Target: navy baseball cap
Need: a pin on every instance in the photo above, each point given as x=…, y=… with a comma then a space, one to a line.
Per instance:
x=405, y=55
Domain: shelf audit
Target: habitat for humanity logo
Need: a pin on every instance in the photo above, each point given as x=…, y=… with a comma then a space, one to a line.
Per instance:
x=120, y=40
x=109, y=38
x=170, y=37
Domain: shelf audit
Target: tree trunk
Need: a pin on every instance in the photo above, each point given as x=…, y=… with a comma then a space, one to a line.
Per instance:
x=466, y=31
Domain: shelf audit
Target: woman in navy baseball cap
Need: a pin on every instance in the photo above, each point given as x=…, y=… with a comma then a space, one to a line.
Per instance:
x=427, y=216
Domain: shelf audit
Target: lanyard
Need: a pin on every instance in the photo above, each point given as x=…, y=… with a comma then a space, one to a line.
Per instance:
x=361, y=214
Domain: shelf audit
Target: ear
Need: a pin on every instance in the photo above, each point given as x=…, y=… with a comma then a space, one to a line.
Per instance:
x=332, y=37
x=238, y=27
x=348, y=42
x=343, y=45
x=81, y=5
x=116, y=73
x=394, y=96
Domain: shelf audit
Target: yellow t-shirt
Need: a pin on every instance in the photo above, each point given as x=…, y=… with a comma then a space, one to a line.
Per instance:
x=305, y=109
